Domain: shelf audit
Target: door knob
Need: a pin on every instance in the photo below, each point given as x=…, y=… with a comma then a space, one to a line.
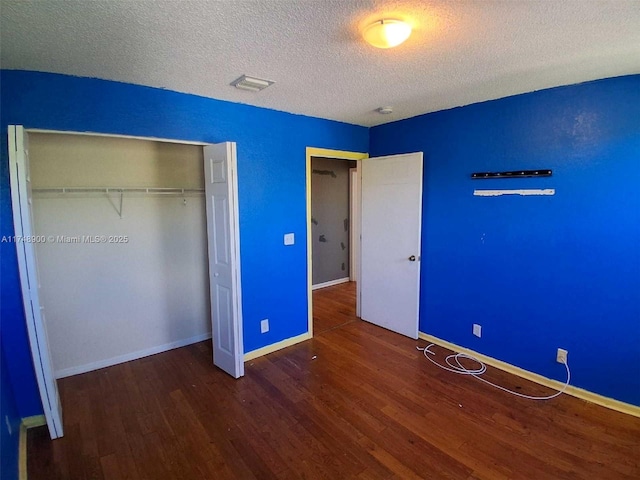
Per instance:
x=412, y=258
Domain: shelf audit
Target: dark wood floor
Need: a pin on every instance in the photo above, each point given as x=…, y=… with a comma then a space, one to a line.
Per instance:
x=334, y=307
x=355, y=402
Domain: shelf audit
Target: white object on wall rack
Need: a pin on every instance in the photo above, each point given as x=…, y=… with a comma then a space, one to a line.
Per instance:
x=526, y=192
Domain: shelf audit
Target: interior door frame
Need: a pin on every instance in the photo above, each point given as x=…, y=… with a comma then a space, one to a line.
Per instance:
x=354, y=220
x=40, y=350
x=339, y=155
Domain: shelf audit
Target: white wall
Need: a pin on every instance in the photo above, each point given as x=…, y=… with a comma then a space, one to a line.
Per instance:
x=111, y=302
x=88, y=161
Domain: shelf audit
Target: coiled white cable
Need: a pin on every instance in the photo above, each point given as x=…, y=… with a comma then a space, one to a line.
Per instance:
x=458, y=368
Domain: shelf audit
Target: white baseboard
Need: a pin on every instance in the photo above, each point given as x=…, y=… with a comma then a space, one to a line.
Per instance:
x=330, y=283
x=276, y=346
x=592, y=397
x=67, y=372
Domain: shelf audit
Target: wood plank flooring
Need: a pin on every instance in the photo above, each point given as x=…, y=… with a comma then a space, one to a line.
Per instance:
x=333, y=307
x=355, y=402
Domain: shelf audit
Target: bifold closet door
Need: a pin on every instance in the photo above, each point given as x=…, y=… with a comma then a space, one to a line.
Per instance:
x=221, y=191
x=21, y=198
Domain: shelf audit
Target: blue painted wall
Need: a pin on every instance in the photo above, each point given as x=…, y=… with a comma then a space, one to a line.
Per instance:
x=537, y=273
x=272, y=188
x=9, y=425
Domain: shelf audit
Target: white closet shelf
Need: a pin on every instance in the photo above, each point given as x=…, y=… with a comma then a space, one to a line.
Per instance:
x=121, y=190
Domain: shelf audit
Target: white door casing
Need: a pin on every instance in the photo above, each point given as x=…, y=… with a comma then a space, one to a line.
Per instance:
x=25, y=239
x=391, y=213
x=221, y=192
x=354, y=224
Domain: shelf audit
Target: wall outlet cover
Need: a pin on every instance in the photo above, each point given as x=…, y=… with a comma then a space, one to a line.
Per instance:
x=477, y=330
x=561, y=356
x=264, y=325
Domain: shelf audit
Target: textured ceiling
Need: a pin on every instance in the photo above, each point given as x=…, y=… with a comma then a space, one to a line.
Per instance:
x=460, y=52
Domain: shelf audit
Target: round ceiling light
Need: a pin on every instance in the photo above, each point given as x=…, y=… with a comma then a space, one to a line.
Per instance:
x=387, y=33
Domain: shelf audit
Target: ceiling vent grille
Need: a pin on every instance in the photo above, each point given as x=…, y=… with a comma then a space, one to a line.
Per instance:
x=251, y=84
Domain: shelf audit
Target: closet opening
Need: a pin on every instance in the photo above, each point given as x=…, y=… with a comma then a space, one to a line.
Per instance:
x=123, y=272
x=135, y=251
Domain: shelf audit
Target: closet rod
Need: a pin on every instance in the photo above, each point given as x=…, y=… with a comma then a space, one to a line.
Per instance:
x=145, y=190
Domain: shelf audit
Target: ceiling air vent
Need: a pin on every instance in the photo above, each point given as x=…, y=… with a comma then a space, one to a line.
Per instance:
x=251, y=83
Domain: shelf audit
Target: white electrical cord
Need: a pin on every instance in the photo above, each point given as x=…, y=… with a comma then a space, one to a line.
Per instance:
x=458, y=368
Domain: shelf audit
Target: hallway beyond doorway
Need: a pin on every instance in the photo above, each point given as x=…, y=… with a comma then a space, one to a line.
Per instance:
x=333, y=307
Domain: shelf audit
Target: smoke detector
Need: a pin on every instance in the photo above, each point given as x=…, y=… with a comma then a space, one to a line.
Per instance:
x=385, y=110
x=251, y=84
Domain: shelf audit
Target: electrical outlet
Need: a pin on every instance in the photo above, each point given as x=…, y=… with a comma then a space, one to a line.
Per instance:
x=264, y=325
x=561, y=356
x=477, y=330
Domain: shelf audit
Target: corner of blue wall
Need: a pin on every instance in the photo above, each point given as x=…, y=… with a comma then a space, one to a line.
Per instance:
x=538, y=273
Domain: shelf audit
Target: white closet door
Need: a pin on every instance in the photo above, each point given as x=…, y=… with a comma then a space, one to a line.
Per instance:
x=25, y=247
x=221, y=191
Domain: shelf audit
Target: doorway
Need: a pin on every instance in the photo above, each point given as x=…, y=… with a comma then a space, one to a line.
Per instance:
x=332, y=239
x=333, y=219
x=389, y=202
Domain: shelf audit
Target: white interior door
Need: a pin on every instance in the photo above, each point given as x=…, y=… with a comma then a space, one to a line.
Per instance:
x=25, y=247
x=221, y=192
x=391, y=215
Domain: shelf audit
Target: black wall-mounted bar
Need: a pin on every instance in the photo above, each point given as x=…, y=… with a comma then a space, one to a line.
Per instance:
x=514, y=174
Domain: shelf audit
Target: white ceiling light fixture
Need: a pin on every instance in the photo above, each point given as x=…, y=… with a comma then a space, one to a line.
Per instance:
x=251, y=84
x=387, y=33
x=385, y=110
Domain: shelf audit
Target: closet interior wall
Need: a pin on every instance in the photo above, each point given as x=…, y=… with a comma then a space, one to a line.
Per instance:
x=123, y=275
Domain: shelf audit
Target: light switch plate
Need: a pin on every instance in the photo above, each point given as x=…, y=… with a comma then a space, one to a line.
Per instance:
x=477, y=330
x=289, y=239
